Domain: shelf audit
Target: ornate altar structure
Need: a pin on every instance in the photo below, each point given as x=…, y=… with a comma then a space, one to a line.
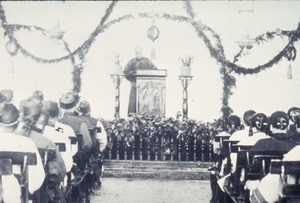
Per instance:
x=151, y=92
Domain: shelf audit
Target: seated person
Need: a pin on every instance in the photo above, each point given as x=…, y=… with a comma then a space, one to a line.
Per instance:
x=260, y=127
x=6, y=95
x=278, y=144
x=51, y=111
x=32, y=110
x=9, y=116
x=68, y=107
x=100, y=138
x=221, y=168
x=294, y=115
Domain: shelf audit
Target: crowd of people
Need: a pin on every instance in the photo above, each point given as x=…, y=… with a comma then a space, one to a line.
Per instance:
x=49, y=151
x=258, y=158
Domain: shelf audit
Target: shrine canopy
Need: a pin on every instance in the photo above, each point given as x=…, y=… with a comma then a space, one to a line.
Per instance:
x=126, y=24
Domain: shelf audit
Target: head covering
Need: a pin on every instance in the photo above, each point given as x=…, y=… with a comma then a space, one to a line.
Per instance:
x=279, y=120
x=84, y=107
x=260, y=121
x=67, y=101
x=39, y=95
x=234, y=121
x=31, y=107
x=6, y=95
x=293, y=113
x=247, y=116
x=9, y=115
x=51, y=108
x=75, y=95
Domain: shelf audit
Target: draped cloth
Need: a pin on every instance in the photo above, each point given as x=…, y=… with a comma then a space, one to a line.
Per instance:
x=138, y=63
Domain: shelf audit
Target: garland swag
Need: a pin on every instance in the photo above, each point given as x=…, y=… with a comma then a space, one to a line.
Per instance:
x=217, y=51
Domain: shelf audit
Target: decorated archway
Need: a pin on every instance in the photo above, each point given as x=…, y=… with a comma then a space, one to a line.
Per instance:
x=209, y=36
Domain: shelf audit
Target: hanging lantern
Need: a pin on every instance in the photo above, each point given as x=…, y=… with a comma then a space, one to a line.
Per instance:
x=153, y=34
x=12, y=47
x=290, y=54
x=289, y=72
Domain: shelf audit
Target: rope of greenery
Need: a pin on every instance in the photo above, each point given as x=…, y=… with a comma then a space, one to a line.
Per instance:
x=216, y=51
x=83, y=49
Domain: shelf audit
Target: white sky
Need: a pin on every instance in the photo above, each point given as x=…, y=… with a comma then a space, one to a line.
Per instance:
x=266, y=92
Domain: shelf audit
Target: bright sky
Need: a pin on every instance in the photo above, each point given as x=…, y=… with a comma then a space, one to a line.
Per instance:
x=266, y=92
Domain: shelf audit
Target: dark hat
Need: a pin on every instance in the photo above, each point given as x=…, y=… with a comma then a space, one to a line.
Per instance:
x=297, y=122
x=234, y=120
x=51, y=108
x=84, y=107
x=75, y=95
x=247, y=116
x=67, y=101
x=6, y=95
x=9, y=115
x=280, y=120
x=260, y=121
x=2, y=98
x=38, y=94
x=31, y=106
x=293, y=113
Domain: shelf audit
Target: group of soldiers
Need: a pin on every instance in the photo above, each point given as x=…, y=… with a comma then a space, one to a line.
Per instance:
x=49, y=151
x=257, y=158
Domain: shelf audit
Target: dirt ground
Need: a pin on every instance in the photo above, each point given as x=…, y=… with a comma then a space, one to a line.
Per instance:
x=115, y=190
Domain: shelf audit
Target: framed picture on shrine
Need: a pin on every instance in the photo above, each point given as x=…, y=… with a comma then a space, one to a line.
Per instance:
x=151, y=92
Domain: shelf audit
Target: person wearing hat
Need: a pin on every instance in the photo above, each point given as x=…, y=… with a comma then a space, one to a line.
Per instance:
x=38, y=94
x=6, y=95
x=100, y=137
x=9, y=120
x=85, y=111
x=278, y=144
x=247, y=131
x=241, y=134
x=220, y=172
x=55, y=133
x=294, y=115
x=260, y=126
x=32, y=110
x=68, y=103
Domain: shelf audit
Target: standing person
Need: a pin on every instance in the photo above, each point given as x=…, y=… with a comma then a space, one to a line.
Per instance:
x=137, y=63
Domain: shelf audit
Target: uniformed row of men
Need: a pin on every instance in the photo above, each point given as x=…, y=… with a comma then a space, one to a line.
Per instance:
x=258, y=158
x=50, y=149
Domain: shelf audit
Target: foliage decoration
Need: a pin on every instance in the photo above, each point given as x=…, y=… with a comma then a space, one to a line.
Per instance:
x=187, y=61
x=213, y=43
x=84, y=48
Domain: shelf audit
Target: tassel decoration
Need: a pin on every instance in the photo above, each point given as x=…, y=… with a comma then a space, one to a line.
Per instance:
x=153, y=54
x=289, y=72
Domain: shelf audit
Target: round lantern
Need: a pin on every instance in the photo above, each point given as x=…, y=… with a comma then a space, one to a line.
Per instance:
x=153, y=33
x=11, y=47
x=291, y=53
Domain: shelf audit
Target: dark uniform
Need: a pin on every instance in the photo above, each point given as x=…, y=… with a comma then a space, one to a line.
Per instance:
x=279, y=144
x=67, y=103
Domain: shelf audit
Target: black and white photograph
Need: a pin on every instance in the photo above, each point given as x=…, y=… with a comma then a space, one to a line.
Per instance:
x=150, y=101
